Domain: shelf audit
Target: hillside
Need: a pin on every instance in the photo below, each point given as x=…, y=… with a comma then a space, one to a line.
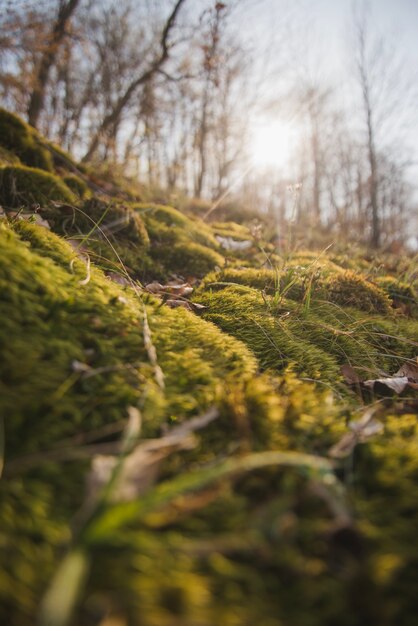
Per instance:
x=197, y=430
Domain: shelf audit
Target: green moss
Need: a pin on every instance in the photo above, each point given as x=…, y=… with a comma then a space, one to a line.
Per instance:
x=315, y=340
x=245, y=314
x=157, y=216
x=112, y=233
x=351, y=289
x=186, y=258
x=58, y=322
x=178, y=244
x=66, y=321
x=8, y=158
x=232, y=230
x=403, y=295
x=24, y=186
x=63, y=160
x=77, y=185
x=279, y=543
x=23, y=141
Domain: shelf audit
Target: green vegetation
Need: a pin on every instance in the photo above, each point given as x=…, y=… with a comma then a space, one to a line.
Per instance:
x=77, y=185
x=24, y=186
x=243, y=515
x=23, y=141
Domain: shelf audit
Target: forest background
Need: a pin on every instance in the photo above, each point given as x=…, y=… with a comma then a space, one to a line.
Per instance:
x=299, y=111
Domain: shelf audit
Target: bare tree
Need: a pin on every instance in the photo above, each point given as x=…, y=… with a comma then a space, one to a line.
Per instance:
x=48, y=58
x=385, y=97
x=111, y=120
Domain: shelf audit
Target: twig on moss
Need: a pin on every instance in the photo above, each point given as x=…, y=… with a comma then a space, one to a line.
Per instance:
x=152, y=352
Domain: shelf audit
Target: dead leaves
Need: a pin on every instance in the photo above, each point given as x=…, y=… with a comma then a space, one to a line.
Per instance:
x=228, y=243
x=134, y=473
x=361, y=430
x=368, y=426
x=183, y=289
x=175, y=295
x=405, y=379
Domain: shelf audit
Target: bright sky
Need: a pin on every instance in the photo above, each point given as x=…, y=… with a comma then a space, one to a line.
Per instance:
x=317, y=34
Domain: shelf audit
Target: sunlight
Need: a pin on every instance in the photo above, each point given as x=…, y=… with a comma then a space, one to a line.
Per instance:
x=271, y=144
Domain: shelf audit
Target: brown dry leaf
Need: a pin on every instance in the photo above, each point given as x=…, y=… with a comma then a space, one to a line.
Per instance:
x=410, y=370
x=173, y=288
x=405, y=377
x=175, y=304
x=154, y=287
x=139, y=469
x=350, y=375
x=120, y=280
x=361, y=430
x=183, y=289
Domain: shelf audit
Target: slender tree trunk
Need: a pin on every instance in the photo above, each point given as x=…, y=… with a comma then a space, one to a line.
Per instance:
x=375, y=238
x=203, y=131
x=37, y=98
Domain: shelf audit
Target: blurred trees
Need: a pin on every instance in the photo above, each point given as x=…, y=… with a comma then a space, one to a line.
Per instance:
x=168, y=88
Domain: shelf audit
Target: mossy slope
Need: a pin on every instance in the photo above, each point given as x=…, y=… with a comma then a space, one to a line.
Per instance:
x=227, y=535
x=23, y=141
x=22, y=186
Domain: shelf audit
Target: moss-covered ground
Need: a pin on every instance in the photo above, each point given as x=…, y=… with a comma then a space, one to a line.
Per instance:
x=243, y=486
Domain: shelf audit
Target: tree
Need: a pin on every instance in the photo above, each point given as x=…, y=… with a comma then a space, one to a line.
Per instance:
x=385, y=92
x=48, y=58
x=112, y=119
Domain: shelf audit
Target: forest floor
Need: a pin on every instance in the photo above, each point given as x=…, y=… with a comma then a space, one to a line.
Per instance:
x=195, y=429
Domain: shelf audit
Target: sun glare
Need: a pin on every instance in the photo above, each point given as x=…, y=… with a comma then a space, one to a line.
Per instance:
x=271, y=144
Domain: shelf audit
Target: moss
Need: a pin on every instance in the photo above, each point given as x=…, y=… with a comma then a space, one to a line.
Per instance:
x=77, y=185
x=320, y=280
x=188, y=259
x=273, y=544
x=23, y=141
x=403, y=295
x=89, y=324
x=158, y=216
x=294, y=282
x=233, y=230
x=57, y=323
x=8, y=158
x=112, y=233
x=316, y=340
x=63, y=160
x=178, y=244
x=245, y=314
x=24, y=186
x=351, y=289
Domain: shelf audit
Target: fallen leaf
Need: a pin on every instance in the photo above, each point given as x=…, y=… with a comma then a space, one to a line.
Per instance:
x=396, y=384
x=228, y=243
x=120, y=280
x=182, y=289
x=410, y=370
x=154, y=287
x=175, y=304
x=361, y=430
x=79, y=367
x=350, y=375
x=405, y=377
x=139, y=469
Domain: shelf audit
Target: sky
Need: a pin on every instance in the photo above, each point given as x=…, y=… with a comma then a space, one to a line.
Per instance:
x=318, y=34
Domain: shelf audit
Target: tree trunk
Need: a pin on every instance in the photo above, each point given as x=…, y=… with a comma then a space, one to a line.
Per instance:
x=36, y=102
